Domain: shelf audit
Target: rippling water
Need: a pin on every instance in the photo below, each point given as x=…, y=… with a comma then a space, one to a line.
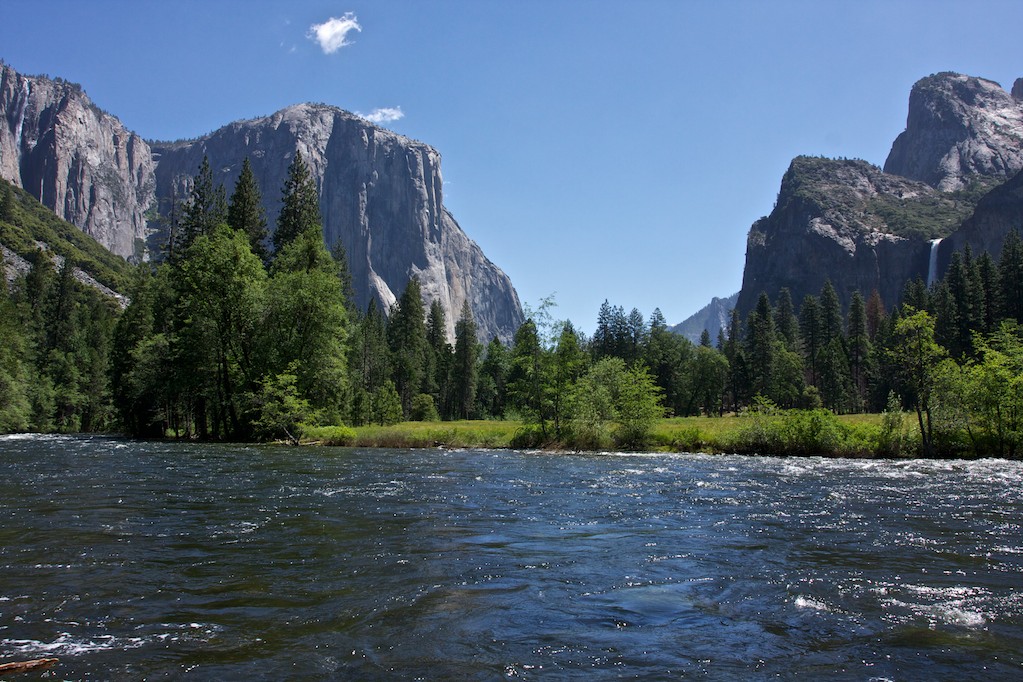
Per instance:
x=163, y=561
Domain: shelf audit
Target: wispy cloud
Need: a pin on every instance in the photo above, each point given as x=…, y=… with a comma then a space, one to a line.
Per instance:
x=383, y=115
x=332, y=34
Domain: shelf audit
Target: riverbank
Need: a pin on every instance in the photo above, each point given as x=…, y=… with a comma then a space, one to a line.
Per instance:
x=814, y=432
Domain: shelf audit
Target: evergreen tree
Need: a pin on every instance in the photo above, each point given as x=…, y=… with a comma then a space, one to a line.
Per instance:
x=785, y=321
x=437, y=370
x=705, y=339
x=406, y=337
x=860, y=351
x=811, y=330
x=245, y=212
x=206, y=208
x=988, y=286
x=466, y=361
x=369, y=362
x=300, y=205
x=1010, y=277
x=831, y=314
x=760, y=347
x=493, y=379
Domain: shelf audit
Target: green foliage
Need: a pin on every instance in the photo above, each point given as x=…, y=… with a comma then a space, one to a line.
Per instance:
x=612, y=394
x=245, y=212
x=31, y=223
x=423, y=409
x=300, y=205
x=385, y=405
x=280, y=407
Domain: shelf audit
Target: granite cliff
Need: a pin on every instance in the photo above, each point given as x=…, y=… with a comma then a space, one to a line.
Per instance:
x=381, y=194
x=76, y=160
x=958, y=128
x=866, y=229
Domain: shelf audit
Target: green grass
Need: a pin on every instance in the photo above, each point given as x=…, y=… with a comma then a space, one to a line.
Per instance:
x=787, y=433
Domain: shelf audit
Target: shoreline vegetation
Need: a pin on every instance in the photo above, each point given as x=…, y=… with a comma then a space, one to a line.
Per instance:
x=237, y=336
x=778, y=433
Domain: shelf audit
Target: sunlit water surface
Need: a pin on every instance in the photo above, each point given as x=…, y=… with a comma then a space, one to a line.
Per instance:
x=173, y=561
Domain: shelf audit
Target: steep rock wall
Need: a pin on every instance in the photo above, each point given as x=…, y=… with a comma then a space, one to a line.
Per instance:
x=958, y=128
x=381, y=195
x=76, y=160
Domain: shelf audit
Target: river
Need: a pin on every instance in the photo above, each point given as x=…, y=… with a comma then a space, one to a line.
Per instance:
x=132, y=560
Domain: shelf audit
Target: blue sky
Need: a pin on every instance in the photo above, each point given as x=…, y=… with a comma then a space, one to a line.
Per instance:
x=594, y=149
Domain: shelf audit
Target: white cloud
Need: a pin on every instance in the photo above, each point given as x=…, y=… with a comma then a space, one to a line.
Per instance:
x=384, y=115
x=332, y=34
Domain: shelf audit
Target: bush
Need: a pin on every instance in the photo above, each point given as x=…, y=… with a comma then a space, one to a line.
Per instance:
x=423, y=409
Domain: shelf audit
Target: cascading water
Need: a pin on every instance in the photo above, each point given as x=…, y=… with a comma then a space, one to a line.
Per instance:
x=932, y=262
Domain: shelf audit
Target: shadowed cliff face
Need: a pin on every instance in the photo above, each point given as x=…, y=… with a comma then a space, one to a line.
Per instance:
x=865, y=229
x=76, y=160
x=958, y=127
x=381, y=195
x=849, y=222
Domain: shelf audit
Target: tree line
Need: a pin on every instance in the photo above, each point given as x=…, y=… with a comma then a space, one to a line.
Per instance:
x=239, y=335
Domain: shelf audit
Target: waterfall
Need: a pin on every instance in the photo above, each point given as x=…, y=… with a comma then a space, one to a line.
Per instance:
x=932, y=262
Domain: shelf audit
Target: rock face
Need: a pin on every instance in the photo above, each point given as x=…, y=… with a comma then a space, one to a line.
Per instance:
x=865, y=229
x=713, y=317
x=76, y=160
x=381, y=195
x=998, y=212
x=849, y=222
x=959, y=127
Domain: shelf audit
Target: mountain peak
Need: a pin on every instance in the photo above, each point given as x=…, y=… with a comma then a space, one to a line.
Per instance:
x=959, y=128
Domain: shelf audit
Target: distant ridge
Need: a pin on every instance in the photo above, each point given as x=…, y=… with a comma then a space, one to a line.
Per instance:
x=713, y=317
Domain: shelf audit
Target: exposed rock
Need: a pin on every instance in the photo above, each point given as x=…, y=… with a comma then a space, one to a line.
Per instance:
x=958, y=128
x=997, y=213
x=849, y=222
x=75, y=159
x=1017, y=90
x=712, y=317
x=381, y=195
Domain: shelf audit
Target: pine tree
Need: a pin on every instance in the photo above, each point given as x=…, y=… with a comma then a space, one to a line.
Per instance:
x=406, y=337
x=464, y=371
x=437, y=370
x=1010, y=277
x=245, y=211
x=812, y=333
x=205, y=210
x=493, y=379
x=785, y=321
x=859, y=349
x=300, y=205
x=760, y=347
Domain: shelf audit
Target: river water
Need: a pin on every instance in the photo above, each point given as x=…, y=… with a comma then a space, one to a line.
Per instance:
x=174, y=561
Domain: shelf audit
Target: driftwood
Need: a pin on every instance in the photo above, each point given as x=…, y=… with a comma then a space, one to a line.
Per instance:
x=20, y=667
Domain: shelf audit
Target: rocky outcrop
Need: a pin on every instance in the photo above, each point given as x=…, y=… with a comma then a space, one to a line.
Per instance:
x=381, y=195
x=76, y=160
x=959, y=128
x=847, y=222
x=712, y=317
x=998, y=212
